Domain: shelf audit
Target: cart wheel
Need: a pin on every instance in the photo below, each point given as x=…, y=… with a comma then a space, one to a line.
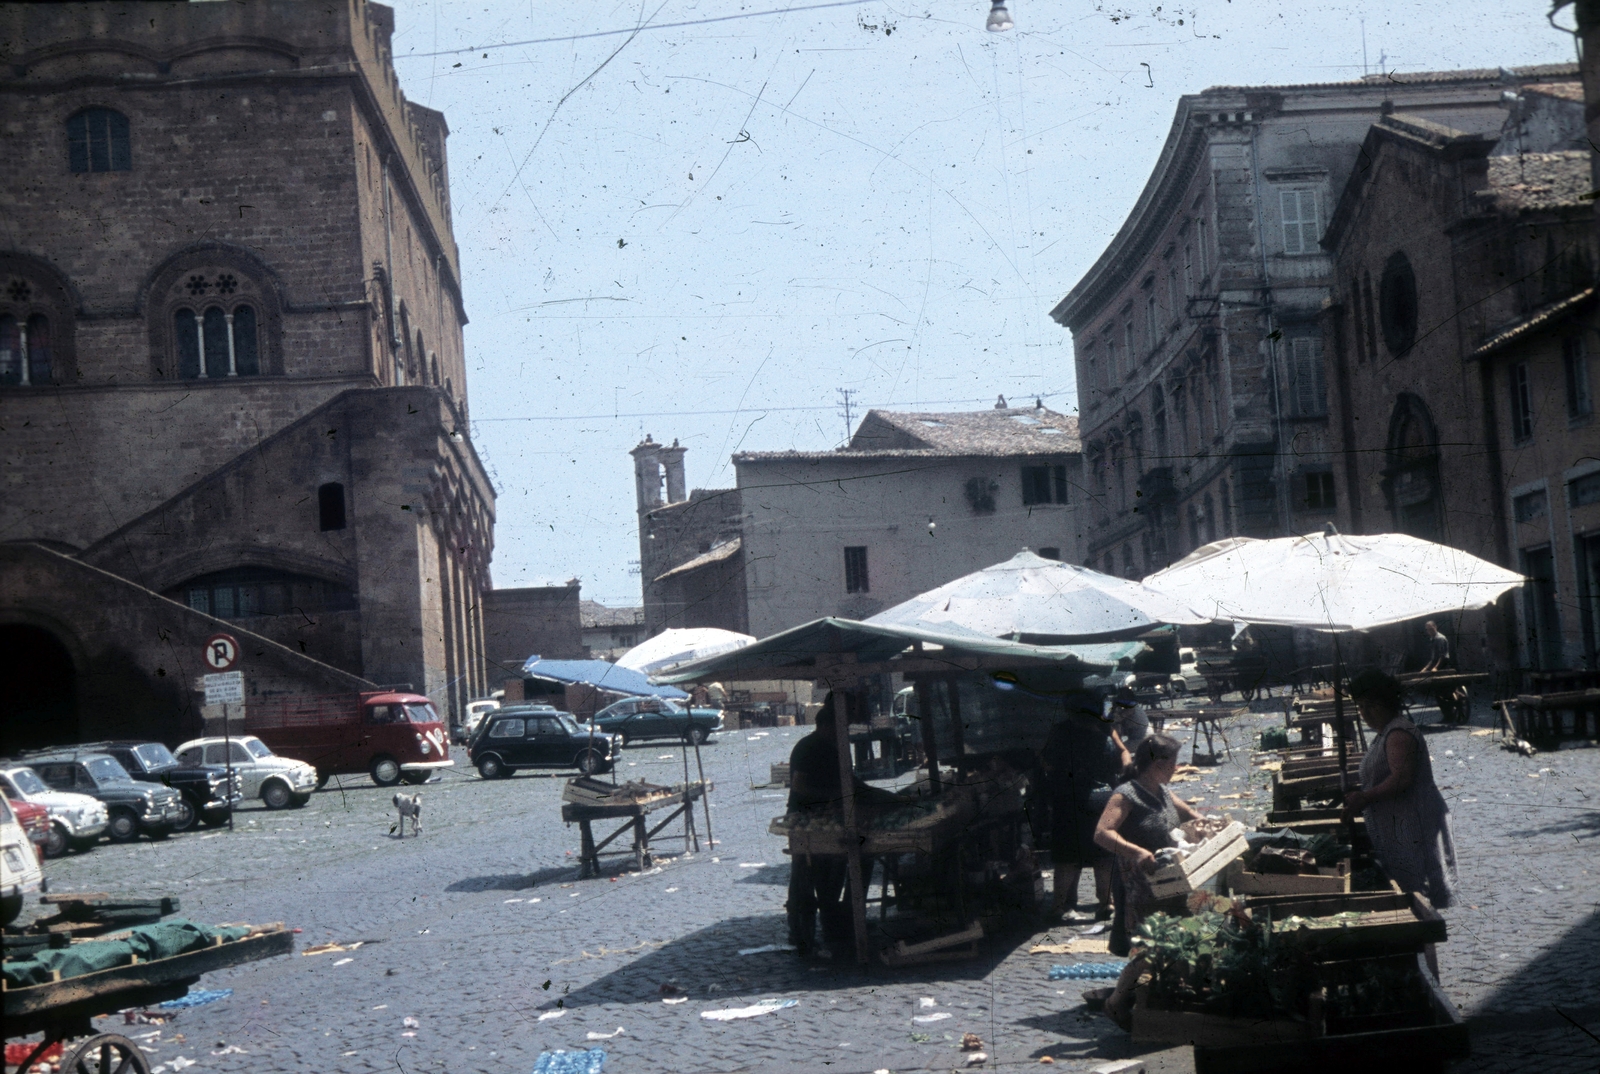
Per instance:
x=106, y=1054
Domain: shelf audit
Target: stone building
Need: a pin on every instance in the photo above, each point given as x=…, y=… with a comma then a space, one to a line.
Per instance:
x=1461, y=329
x=231, y=357
x=911, y=502
x=531, y=621
x=1203, y=391
x=610, y=632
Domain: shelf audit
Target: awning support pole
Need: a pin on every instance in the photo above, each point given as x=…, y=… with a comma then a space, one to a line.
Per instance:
x=844, y=703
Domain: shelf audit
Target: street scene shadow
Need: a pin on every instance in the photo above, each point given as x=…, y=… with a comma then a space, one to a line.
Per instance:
x=1585, y=825
x=1549, y=1010
x=777, y=875
x=515, y=881
x=707, y=963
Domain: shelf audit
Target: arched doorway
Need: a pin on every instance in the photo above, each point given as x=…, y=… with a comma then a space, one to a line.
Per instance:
x=1411, y=471
x=40, y=696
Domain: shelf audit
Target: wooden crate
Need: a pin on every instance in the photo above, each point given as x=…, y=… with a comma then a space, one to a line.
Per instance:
x=1335, y=881
x=1206, y=861
x=779, y=776
x=1402, y=922
x=1215, y=1030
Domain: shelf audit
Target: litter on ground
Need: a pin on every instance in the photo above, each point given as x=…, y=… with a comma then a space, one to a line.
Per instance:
x=755, y=1010
x=561, y=1061
x=198, y=998
x=1086, y=971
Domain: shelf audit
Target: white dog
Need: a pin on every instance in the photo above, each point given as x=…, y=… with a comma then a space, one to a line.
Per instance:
x=408, y=805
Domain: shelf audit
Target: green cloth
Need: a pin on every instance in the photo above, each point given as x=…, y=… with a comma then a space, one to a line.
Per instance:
x=162, y=940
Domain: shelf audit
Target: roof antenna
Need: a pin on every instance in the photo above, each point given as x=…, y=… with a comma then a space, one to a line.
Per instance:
x=1000, y=404
x=1038, y=402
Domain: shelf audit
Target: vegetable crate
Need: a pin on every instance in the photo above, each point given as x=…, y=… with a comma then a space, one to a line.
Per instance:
x=1203, y=863
x=1357, y=924
x=1241, y=881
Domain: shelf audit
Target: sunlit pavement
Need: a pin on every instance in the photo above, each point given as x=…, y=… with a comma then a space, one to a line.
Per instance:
x=480, y=931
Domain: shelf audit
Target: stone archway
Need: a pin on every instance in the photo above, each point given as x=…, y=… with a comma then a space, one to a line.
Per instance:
x=1411, y=470
x=40, y=703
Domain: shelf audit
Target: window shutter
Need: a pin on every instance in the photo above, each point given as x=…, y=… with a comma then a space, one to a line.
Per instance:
x=1305, y=377
x=1289, y=205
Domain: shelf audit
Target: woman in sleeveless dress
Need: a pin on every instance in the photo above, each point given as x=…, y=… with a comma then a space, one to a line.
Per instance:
x=1407, y=820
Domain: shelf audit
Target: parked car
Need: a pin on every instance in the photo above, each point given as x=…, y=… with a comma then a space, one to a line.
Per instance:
x=277, y=781
x=388, y=735
x=204, y=788
x=476, y=711
x=657, y=717
x=76, y=820
x=1187, y=679
x=132, y=808
x=529, y=736
x=20, y=874
x=35, y=820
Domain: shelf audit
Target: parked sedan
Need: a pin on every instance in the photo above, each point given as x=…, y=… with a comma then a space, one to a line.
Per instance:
x=204, y=787
x=540, y=737
x=277, y=781
x=20, y=874
x=76, y=820
x=134, y=808
x=658, y=717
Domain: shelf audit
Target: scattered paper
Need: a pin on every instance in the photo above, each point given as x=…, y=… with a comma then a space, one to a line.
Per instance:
x=1485, y=731
x=929, y=1019
x=926, y=1001
x=766, y=948
x=673, y=1001
x=1080, y=946
x=342, y=961
x=753, y=1011
x=548, y=1016
x=752, y=865
x=592, y=1035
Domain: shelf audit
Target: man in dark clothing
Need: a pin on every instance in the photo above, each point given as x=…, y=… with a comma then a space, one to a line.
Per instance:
x=1451, y=701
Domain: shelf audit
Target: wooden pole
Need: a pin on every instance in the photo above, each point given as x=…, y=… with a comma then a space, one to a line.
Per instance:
x=844, y=701
x=1338, y=720
x=705, y=796
x=953, y=685
x=930, y=741
x=688, y=813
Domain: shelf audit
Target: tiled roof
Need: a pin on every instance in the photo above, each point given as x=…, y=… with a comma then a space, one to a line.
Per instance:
x=1566, y=91
x=1413, y=78
x=1549, y=315
x=1539, y=180
x=704, y=559
x=595, y=614
x=1007, y=431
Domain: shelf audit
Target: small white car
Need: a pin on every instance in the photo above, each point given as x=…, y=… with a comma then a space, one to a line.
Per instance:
x=277, y=781
x=76, y=820
x=1187, y=679
x=20, y=874
x=476, y=711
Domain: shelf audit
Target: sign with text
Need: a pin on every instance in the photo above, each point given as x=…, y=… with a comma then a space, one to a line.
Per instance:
x=221, y=652
x=224, y=688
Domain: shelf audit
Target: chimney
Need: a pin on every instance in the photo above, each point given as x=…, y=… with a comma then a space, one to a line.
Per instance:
x=647, y=474
x=672, y=460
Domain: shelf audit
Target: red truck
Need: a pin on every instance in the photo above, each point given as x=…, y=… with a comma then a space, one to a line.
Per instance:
x=390, y=736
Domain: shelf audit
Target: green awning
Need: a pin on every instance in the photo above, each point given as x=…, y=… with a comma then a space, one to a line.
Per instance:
x=843, y=647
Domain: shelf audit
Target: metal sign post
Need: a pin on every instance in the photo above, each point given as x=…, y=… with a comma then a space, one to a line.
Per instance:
x=223, y=686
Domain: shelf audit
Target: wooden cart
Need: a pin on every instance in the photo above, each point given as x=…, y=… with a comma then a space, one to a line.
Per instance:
x=589, y=800
x=62, y=1009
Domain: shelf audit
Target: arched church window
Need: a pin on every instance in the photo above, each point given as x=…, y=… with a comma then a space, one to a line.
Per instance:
x=34, y=317
x=97, y=141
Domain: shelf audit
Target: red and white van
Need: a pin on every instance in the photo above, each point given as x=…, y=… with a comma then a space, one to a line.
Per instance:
x=388, y=735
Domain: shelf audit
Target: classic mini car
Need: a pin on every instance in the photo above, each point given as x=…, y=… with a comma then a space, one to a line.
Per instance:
x=20, y=874
x=530, y=736
x=277, y=781
x=657, y=717
x=76, y=820
x=133, y=808
x=204, y=787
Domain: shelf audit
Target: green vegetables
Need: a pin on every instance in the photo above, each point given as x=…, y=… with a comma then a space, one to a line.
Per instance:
x=1223, y=963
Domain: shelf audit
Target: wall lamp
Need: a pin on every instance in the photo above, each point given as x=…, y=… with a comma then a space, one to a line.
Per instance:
x=999, y=18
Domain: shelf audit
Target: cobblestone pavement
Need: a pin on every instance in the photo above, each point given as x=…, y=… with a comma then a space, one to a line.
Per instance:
x=480, y=931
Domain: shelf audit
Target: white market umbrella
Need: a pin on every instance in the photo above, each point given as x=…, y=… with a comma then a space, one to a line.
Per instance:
x=680, y=645
x=1030, y=595
x=1328, y=581
x=1331, y=582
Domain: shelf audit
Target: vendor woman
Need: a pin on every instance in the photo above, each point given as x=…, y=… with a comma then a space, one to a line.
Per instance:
x=1137, y=822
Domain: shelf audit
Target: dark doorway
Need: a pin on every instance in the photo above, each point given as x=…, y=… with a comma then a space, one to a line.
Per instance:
x=1542, y=615
x=40, y=699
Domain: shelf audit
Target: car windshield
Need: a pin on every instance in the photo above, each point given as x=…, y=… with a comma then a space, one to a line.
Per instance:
x=421, y=712
x=28, y=782
x=571, y=725
x=155, y=755
x=106, y=770
x=256, y=747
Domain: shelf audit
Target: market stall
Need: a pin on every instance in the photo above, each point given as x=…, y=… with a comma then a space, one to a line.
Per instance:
x=976, y=802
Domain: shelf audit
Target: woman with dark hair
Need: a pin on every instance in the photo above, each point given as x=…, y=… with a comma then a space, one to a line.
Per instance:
x=1082, y=758
x=1137, y=822
x=1407, y=819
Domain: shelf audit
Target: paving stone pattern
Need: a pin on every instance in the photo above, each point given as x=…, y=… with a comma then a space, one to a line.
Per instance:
x=480, y=931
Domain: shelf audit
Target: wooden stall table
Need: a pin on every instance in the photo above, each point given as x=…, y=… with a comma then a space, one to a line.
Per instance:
x=1208, y=721
x=1309, y=716
x=1543, y=716
x=589, y=800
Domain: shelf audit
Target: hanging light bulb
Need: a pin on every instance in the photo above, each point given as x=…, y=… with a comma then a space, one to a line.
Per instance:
x=999, y=18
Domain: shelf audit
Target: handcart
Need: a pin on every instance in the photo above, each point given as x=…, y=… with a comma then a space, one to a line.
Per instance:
x=62, y=1009
x=589, y=800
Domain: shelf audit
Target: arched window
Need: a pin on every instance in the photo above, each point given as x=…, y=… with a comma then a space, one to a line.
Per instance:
x=1158, y=417
x=35, y=324
x=211, y=319
x=97, y=141
x=218, y=339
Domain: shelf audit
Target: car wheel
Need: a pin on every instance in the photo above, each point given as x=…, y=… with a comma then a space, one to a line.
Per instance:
x=299, y=800
x=82, y=844
x=695, y=736
x=214, y=818
x=418, y=778
x=186, y=816
x=322, y=779
x=10, y=908
x=385, y=771
x=489, y=767
x=276, y=794
x=123, y=826
x=57, y=842
x=590, y=762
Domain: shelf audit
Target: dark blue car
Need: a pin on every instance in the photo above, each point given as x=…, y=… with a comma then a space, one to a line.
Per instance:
x=658, y=717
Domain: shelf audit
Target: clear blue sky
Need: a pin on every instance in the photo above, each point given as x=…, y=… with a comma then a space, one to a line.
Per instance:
x=704, y=231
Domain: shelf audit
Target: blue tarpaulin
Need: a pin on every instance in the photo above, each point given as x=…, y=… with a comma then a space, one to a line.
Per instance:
x=598, y=673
